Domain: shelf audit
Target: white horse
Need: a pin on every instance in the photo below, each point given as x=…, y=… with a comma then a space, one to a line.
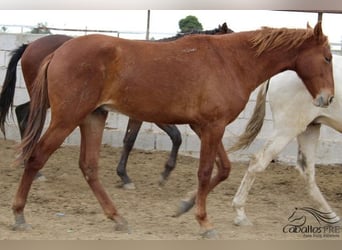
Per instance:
x=298, y=118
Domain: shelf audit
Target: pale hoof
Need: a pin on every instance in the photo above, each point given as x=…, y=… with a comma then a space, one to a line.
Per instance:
x=121, y=224
x=128, y=186
x=162, y=181
x=39, y=177
x=21, y=227
x=211, y=234
x=122, y=227
x=184, y=206
x=242, y=222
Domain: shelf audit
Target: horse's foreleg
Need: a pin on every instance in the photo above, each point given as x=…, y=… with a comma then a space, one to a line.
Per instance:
x=176, y=139
x=307, y=144
x=132, y=131
x=259, y=163
x=211, y=137
x=52, y=139
x=223, y=170
x=91, y=136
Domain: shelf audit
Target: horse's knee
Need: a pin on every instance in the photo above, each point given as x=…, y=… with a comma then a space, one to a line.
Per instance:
x=204, y=175
x=258, y=164
x=88, y=171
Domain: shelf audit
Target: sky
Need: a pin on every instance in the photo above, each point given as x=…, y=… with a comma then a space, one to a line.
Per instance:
x=164, y=23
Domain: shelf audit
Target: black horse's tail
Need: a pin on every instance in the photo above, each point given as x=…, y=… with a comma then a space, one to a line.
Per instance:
x=8, y=87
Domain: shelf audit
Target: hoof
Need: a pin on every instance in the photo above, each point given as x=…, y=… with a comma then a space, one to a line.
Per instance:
x=211, y=234
x=21, y=227
x=184, y=206
x=242, y=222
x=122, y=225
x=39, y=177
x=162, y=181
x=128, y=186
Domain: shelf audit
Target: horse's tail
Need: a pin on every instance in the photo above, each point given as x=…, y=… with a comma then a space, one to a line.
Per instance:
x=38, y=109
x=8, y=87
x=255, y=123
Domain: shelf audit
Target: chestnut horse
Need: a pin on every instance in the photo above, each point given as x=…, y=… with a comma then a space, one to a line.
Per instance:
x=32, y=55
x=203, y=81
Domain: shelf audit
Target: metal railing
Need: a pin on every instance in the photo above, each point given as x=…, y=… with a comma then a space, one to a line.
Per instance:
x=78, y=32
x=336, y=48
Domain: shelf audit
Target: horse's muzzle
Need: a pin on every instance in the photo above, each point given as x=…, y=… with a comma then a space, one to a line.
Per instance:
x=323, y=100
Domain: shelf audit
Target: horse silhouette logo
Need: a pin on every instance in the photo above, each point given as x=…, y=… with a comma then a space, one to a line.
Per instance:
x=309, y=220
x=300, y=216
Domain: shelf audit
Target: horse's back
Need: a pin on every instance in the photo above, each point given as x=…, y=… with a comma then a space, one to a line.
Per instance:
x=124, y=74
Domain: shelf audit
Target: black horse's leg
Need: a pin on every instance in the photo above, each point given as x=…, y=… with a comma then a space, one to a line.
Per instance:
x=22, y=112
x=176, y=139
x=132, y=131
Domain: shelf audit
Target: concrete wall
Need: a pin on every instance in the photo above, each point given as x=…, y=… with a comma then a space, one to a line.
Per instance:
x=152, y=138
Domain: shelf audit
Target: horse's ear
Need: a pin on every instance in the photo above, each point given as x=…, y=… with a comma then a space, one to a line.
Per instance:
x=318, y=32
x=308, y=26
x=224, y=27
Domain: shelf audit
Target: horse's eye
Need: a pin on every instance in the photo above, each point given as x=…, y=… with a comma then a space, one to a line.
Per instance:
x=327, y=59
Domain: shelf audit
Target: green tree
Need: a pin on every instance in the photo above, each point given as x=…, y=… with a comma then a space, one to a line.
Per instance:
x=189, y=23
x=41, y=29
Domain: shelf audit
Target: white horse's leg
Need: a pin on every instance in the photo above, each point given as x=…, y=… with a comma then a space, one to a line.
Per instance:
x=307, y=144
x=258, y=163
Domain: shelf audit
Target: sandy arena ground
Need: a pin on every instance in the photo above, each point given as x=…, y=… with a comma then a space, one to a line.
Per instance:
x=63, y=207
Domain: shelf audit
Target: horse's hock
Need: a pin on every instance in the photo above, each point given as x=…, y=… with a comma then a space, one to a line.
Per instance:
x=152, y=138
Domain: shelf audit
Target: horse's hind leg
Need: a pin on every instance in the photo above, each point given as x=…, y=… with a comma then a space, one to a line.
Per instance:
x=258, y=164
x=307, y=144
x=22, y=112
x=176, y=139
x=51, y=140
x=132, y=131
x=91, y=136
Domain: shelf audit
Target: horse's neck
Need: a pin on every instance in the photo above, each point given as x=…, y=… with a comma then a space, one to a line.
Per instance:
x=258, y=69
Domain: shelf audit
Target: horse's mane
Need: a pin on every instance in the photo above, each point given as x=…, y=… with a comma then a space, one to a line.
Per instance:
x=267, y=39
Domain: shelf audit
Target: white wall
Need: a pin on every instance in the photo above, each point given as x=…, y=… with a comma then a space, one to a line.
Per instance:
x=152, y=138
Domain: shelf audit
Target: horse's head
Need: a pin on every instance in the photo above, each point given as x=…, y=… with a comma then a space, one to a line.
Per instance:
x=314, y=66
x=297, y=218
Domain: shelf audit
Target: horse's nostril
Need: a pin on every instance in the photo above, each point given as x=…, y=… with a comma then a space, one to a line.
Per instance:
x=331, y=98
